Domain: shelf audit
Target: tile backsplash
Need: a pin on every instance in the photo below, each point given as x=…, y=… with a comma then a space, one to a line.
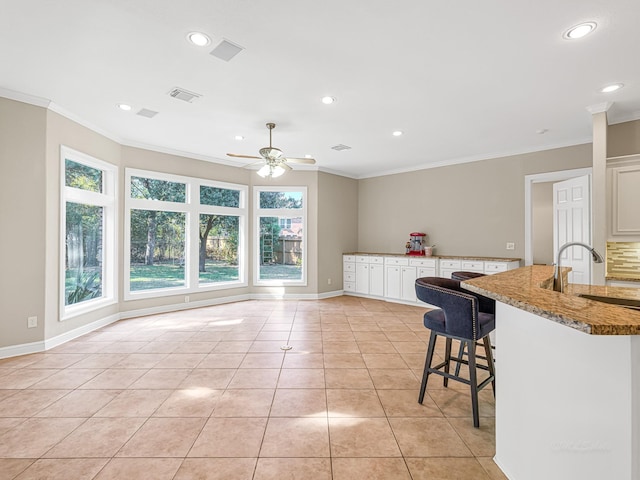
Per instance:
x=623, y=260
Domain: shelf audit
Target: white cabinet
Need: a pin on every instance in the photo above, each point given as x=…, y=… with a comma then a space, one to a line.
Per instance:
x=496, y=267
x=376, y=280
x=408, y=277
x=447, y=267
x=393, y=277
x=349, y=273
x=625, y=198
x=363, y=274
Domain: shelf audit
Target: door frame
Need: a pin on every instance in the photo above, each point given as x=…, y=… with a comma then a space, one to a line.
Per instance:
x=529, y=180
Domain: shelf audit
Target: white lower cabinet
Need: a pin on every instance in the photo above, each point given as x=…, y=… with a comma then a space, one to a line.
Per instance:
x=447, y=267
x=393, y=278
x=364, y=275
x=376, y=280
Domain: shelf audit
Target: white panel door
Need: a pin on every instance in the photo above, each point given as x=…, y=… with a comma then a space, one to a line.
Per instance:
x=362, y=278
x=572, y=223
x=409, y=284
x=392, y=282
x=376, y=280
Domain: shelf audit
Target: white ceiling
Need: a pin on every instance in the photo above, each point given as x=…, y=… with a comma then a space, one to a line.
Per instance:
x=463, y=79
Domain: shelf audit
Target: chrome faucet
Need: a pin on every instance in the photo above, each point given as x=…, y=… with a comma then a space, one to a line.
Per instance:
x=557, y=278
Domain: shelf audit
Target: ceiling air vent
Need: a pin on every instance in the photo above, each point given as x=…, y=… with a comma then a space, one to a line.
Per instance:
x=226, y=50
x=182, y=94
x=340, y=147
x=145, y=112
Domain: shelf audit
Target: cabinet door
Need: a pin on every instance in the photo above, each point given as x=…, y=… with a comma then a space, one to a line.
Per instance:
x=426, y=272
x=362, y=278
x=409, y=284
x=392, y=282
x=625, y=200
x=376, y=280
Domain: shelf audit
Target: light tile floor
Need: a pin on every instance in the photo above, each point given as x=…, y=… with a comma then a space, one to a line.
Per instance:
x=209, y=394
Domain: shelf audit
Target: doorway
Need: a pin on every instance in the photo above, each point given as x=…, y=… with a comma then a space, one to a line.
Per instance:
x=534, y=191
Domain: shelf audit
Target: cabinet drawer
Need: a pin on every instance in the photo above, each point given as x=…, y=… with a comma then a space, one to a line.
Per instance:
x=376, y=260
x=450, y=264
x=349, y=277
x=348, y=258
x=396, y=261
x=349, y=267
x=422, y=262
x=362, y=259
x=349, y=286
x=495, y=267
x=473, y=266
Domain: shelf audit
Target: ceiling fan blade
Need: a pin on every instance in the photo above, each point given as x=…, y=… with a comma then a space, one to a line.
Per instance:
x=307, y=161
x=250, y=165
x=285, y=166
x=237, y=155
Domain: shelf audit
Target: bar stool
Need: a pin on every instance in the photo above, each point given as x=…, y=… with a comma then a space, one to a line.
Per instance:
x=458, y=317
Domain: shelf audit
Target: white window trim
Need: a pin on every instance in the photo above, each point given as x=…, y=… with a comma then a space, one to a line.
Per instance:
x=107, y=200
x=278, y=212
x=192, y=210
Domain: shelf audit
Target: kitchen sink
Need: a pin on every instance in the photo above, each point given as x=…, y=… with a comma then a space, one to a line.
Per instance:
x=621, y=302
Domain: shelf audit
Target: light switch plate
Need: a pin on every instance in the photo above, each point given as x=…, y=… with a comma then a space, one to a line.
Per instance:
x=511, y=246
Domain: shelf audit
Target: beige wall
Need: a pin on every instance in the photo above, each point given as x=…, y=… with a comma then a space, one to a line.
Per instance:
x=62, y=131
x=542, y=222
x=337, y=227
x=623, y=139
x=466, y=209
x=22, y=218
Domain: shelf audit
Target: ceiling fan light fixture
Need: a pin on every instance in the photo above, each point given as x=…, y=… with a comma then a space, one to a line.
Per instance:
x=271, y=171
x=265, y=171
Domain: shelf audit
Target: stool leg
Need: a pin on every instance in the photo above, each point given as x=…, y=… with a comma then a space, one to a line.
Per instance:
x=427, y=365
x=473, y=378
x=490, y=364
x=447, y=360
x=460, y=354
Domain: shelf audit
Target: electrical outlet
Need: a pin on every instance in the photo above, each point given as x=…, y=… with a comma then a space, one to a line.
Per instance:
x=186, y=299
x=328, y=281
x=511, y=246
x=32, y=322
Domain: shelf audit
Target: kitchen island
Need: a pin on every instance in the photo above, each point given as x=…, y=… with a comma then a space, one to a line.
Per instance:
x=567, y=378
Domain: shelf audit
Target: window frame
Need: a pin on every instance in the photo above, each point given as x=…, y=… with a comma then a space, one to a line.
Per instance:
x=107, y=200
x=279, y=212
x=192, y=210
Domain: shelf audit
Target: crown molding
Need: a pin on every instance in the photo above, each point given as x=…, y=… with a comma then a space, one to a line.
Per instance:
x=599, y=107
x=24, y=98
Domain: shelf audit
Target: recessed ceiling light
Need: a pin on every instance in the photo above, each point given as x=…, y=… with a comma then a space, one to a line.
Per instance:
x=611, y=88
x=328, y=100
x=199, y=39
x=579, y=31
x=124, y=106
x=239, y=137
x=397, y=133
x=308, y=156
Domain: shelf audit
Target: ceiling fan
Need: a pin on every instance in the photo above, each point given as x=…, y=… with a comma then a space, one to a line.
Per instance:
x=275, y=163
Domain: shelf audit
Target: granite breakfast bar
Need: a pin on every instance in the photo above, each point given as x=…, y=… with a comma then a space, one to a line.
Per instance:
x=567, y=378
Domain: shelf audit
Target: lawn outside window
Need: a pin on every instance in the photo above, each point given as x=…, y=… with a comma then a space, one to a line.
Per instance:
x=182, y=234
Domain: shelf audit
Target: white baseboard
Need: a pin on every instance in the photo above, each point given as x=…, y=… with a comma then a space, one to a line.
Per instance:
x=78, y=332
x=35, y=347
x=22, y=349
x=183, y=306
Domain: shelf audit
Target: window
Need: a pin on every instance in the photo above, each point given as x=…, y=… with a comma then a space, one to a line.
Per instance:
x=183, y=234
x=280, y=218
x=88, y=233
